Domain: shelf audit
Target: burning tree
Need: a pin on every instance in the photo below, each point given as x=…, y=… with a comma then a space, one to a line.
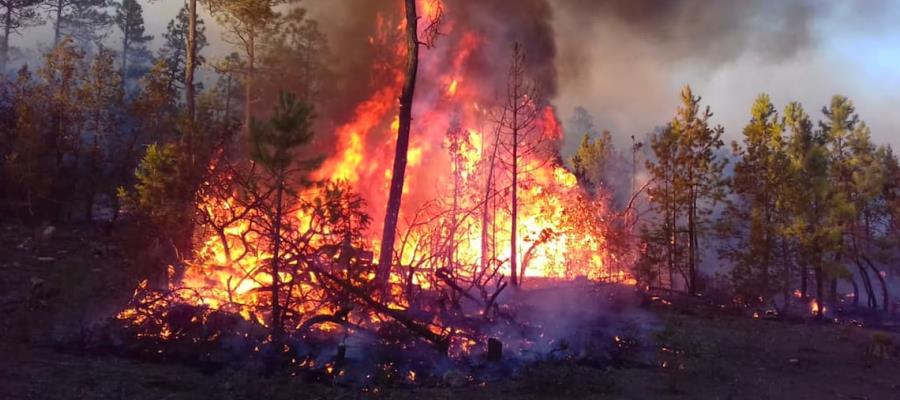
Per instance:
x=273, y=146
x=523, y=138
x=398, y=173
x=297, y=260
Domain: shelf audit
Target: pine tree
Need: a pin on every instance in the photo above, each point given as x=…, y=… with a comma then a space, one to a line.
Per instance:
x=688, y=172
x=102, y=96
x=295, y=59
x=521, y=137
x=155, y=106
x=31, y=165
x=84, y=20
x=247, y=23
x=592, y=162
x=61, y=74
x=810, y=201
x=755, y=221
x=273, y=145
x=17, y=14
x=398, y=170
x=174, y=49
x=129, y=19
x=661, y=240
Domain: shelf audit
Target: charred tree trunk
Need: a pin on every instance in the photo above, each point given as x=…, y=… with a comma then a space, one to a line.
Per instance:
x=804, y=277
x=190, y=62
x=820, y=291
x=395, y=195
x=7, y=30
x=248, y=81
x=692, y=241
x=276, y=253
x=57, y=29
x=885, y=297
x=832, y=293
x=125, y=46
x=485, y=214
x=867, y=284
x=513, y=236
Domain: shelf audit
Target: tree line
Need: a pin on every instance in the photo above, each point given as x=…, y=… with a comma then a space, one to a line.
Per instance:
x=793, y=208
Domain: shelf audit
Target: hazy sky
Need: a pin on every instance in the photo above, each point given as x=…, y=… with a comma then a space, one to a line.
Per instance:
x=626, y=64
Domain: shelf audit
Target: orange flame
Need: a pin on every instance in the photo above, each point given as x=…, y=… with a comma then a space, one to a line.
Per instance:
x=559, y=238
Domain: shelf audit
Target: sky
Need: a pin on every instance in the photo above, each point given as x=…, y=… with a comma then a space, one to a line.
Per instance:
x=625, y=62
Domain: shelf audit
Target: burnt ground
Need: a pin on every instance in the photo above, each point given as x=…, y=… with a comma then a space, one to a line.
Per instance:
x=78, y=280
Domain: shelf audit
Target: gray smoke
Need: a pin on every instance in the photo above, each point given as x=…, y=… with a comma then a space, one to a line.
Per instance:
x=625, y=61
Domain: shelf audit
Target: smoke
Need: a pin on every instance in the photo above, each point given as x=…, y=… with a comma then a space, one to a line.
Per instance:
x=617, y=58
x=350, y=24
x=713, y=32
x=626, y=60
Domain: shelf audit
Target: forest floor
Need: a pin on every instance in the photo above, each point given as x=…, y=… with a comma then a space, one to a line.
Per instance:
x=79, y=278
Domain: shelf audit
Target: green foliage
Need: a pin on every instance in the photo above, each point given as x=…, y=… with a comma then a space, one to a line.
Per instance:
x=295, y=58
x=273, y=143
x=155, y=107
x=83, y=20
x=592, y=160
x=129, y=18
x=174, y=49
x=687, y=182
x=755, y=221
x=31, y=164
x=160, y=186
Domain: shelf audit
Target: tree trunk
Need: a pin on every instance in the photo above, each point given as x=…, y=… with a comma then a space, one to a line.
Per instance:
x=57, y=32
x=513, y=234
x=820, y=291
x=885, y=297
x=228, y=99
x=190, y=63
x=832, y=293
x=124, y=58
x=867, y=284
x=276, y=250
x=692, y=238
x=248, y=84
x=488, y=197
x=804, y=277
x=4, y=46
x=395, y=195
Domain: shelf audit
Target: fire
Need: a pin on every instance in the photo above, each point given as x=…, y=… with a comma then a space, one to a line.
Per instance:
x=814, y=307
x=452, y=89
x=453, y=151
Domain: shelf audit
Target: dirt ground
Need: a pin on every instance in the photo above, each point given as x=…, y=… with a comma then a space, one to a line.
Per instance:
x=78, y=279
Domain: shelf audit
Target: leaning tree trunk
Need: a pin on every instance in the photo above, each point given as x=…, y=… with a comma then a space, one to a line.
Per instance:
x=885, y=296
x=399, y=171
